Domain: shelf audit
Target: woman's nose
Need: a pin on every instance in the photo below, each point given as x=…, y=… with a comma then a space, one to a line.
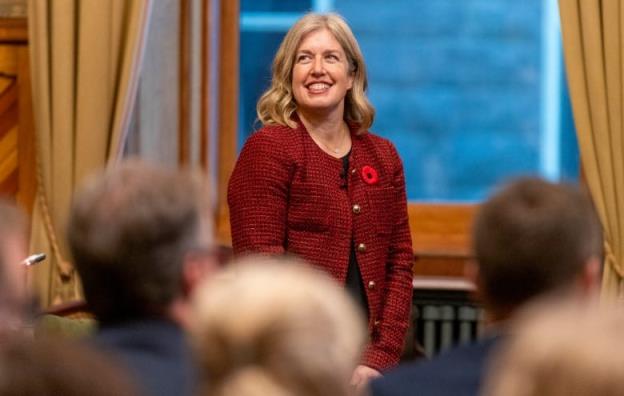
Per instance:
x=317, y=66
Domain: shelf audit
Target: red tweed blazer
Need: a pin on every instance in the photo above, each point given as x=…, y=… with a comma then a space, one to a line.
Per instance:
x=285, y=195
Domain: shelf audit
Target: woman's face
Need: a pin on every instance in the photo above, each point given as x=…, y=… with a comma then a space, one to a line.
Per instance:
x=320, y=76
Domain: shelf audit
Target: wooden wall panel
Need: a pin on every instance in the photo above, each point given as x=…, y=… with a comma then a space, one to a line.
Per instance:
x=441, y=238
x=441, y=229
x=17, y=148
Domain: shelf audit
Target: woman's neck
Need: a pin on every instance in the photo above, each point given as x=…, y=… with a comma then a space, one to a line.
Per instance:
x=330, y=128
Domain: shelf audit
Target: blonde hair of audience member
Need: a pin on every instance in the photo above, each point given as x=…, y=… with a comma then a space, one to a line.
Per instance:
x=277, y=103
x=272, y=326
x=559, y=350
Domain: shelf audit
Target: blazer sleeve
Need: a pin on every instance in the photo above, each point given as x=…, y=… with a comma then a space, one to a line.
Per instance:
x=257, y=196
x=388, y=338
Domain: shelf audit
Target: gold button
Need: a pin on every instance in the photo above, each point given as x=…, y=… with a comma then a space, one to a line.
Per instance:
x=357, y=209
x=353, y=171
x=371, y=284
x=376, y=324
x=361, y=247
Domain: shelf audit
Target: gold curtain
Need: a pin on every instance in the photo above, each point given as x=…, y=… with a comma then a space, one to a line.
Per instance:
x=593, y=40
x=85, y=57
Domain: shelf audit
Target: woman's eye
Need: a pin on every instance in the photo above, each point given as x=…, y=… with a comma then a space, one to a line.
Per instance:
x=303, y=58
x=333, y=57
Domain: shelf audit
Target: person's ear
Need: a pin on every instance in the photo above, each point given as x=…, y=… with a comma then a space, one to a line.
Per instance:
x=471, y=273
x=591, y=276
x=196, y=268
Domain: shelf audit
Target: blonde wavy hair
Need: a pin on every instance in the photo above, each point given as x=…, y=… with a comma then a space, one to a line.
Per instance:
x=270, y=326
x=277, y=104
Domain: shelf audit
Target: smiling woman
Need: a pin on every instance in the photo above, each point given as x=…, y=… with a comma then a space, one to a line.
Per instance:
x=321, y=76
x=315, y=183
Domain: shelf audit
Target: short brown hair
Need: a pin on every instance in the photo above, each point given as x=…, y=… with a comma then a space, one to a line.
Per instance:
x=533, y=237
x=129, y=230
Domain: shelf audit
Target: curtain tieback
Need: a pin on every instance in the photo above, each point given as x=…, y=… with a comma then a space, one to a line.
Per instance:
x=64, y=267
x=611, y=260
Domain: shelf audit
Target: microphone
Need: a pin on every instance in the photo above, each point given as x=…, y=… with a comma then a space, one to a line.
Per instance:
x=33, y=259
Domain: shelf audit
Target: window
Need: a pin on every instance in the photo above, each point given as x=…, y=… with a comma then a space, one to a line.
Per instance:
x=470, y=92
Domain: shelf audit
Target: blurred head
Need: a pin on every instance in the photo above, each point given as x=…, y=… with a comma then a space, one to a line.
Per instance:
x=13, y=250
x=50, y=367
x=140, y=236
x=276, y=327
x=561, y=351
x=345, y=75
x=532, y=238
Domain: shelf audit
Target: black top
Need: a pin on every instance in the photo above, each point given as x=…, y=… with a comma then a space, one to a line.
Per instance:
x=354, y=284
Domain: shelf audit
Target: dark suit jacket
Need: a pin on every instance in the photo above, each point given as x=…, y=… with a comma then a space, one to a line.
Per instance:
x=155, y=353
x=457, y=372
x=287, y=195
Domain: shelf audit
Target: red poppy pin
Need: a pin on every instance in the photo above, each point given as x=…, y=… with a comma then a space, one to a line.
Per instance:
x=369, y=174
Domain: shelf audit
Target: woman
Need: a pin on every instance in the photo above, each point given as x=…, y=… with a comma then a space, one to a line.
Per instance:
x=301, y=334
x=315, y=183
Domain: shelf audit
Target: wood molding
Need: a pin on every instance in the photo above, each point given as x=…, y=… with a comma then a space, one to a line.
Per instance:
x=228, y=107
x=441, y=230
x=205, y=94
x=13, y=30
x=17, y=112
x=184, y=138
x=27, y=153
x=441, y=235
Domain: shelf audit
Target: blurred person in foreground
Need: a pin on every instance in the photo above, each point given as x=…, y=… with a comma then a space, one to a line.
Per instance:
x=14, y=296
x=562, y=350
x=141, y=238
x=53, y=367
x=275, y=327
x=532, y=239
